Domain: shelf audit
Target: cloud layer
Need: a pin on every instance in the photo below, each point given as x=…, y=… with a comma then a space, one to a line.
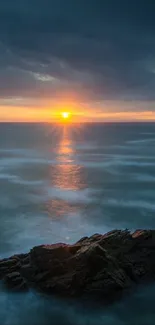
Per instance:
x=96, y=50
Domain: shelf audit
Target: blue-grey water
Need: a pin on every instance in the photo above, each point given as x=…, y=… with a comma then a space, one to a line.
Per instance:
x=59, y=183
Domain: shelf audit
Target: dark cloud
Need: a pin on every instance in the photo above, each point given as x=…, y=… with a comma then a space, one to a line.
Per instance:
x=100, y=49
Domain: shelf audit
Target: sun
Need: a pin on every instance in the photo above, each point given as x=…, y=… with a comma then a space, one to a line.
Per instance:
x=65, y=115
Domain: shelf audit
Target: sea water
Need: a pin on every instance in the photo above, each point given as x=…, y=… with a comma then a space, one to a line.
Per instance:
x=59, y=183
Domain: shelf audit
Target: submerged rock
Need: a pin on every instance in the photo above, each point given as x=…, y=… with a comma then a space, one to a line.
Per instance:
x=100, y=266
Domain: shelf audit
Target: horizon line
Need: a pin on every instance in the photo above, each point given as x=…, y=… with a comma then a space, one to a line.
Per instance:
x=84, y=122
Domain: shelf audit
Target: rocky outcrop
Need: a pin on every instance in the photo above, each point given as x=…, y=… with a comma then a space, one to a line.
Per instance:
x=101, y=266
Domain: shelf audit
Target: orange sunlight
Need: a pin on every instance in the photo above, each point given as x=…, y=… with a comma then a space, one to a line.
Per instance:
x=73, y=112
x=66, y=116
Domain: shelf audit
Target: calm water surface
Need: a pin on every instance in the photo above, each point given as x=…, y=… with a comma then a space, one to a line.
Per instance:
x=59, y=183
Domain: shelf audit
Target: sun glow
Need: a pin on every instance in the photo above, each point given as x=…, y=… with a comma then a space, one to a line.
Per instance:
x=65, y=115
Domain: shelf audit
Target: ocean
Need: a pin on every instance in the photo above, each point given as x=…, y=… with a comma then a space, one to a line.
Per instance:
x=59, y=183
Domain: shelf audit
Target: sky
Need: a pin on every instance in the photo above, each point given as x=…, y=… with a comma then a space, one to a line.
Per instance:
x=94, y=58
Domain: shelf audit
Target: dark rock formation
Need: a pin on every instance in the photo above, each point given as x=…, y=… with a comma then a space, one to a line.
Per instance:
x=102, y=266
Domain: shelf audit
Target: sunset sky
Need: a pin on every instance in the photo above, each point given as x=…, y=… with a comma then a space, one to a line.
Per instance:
x=94, y=58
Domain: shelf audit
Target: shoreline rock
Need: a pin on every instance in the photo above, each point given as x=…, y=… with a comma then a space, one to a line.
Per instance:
x=101, y=267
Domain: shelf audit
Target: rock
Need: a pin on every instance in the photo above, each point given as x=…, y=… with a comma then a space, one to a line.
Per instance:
x=101, y=266
x=28, y=272
x=8, y=263
x=82, y=240
x=15, y=281
x=8, y=266
x=3, y=271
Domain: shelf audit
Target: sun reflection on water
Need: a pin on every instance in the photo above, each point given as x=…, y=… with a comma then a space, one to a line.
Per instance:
x=67, y=178
x=68, y=172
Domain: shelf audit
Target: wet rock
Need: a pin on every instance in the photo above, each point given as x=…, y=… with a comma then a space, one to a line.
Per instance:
x=8, y=266
x=100, y=266
x=28, y=272
x=8, y=263
x=15, y=282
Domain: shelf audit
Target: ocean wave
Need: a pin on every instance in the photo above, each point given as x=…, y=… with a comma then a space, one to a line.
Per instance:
x=74, y=196
x=141, y=141
x=117, y=163
x=145, y=178
x=138, y=204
